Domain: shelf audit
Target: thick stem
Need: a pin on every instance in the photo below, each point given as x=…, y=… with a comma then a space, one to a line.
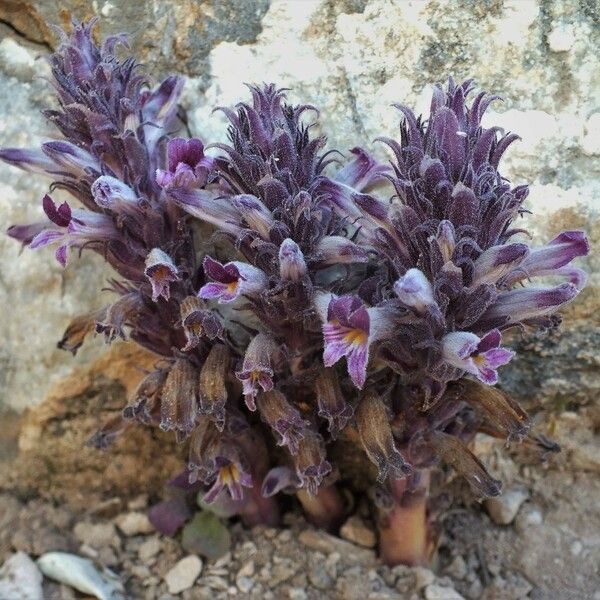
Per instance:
x=403, y=534
x=259, y=510
x=325, y=509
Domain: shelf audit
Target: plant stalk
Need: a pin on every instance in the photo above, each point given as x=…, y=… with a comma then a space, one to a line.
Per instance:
x=403, y=532
x=325, y=509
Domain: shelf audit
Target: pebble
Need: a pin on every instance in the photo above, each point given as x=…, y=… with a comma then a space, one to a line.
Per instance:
x=355, y=530
x=20, y=579
x=423, y=577
x=149, y=549
x=183, y=574
x=134, y=523
x=79, y=573
x=297, y=594
x=97, y=535
x=503, y=509
x=437, y=592
x=244, y=584
x=326, y=543
x=457, y=568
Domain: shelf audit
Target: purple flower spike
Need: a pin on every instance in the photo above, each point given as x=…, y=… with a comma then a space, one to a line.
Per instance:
x=292, y=266
x=231, y=280
x=161, y=272
x=415, y=290
x=478, y=356
x=187, y=165
x=257, y=369
x=497, y=261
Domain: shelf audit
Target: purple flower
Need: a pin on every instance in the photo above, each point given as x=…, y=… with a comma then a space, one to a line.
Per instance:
x=528, y=303
x=415, y=290
x=279, y=479
x=113, y=194
x=161, y=271
x=334, y=250
x=231, y=477
x=231, y=280
x=349, y=329
x=497, y=261
x=73, y=228
x=478, y=356
x=255, y=214
x=198, y=322
x=257, y=369
x=550, y=259
x=187, y=164
x=284, y=419
x=206, y=206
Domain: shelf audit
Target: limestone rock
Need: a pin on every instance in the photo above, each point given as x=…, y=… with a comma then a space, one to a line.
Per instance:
x=20, y=579
x=355, y=530
x=183, y=575
x=503, y=509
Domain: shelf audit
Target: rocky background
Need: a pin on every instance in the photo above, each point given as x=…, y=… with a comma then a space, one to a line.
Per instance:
x=352, y=58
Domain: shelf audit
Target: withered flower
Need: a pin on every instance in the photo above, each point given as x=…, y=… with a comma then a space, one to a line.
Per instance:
x=212, y=390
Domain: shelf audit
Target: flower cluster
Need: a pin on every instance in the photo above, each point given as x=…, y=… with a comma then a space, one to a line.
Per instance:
x=369, y=299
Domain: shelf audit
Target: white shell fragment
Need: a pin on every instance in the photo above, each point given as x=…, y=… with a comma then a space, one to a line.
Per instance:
x=81, y=574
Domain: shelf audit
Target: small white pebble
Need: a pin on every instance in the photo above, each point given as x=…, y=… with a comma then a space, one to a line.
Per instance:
x=183, y=574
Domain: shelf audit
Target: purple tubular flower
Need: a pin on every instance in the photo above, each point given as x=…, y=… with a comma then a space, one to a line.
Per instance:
x=310, y=461
x=285, y=420
x=549, y=259
x=334, y=250
x=206, y=206
x=363, y=172
x=71, y=158
x=292, y=266
x=161, y=271
x=255, y=214
x=479, y=356
x=187, y=164
x=279, y=479
x=528, y=303
x=257, y=368
x=111, y=193
x=497, y=261
x=74, y=228
x=231, y=280
x=231, y=477
x=331, y=403
x=197, y=322
x=349, y=329
x=415, y=290
x=34, y=161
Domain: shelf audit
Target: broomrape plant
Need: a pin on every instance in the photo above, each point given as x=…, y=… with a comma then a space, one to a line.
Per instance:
x=330, y=312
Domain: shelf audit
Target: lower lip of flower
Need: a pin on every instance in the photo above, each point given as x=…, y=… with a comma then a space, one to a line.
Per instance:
x=356, y=337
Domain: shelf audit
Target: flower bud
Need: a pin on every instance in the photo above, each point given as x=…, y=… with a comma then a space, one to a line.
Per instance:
x=497, y=261
x=415, y=290
x=292, y=266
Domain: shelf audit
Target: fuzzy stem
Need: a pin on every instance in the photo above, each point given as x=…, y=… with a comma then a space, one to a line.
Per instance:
x=403, y=533
x=325, y=509
x=260, y=511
